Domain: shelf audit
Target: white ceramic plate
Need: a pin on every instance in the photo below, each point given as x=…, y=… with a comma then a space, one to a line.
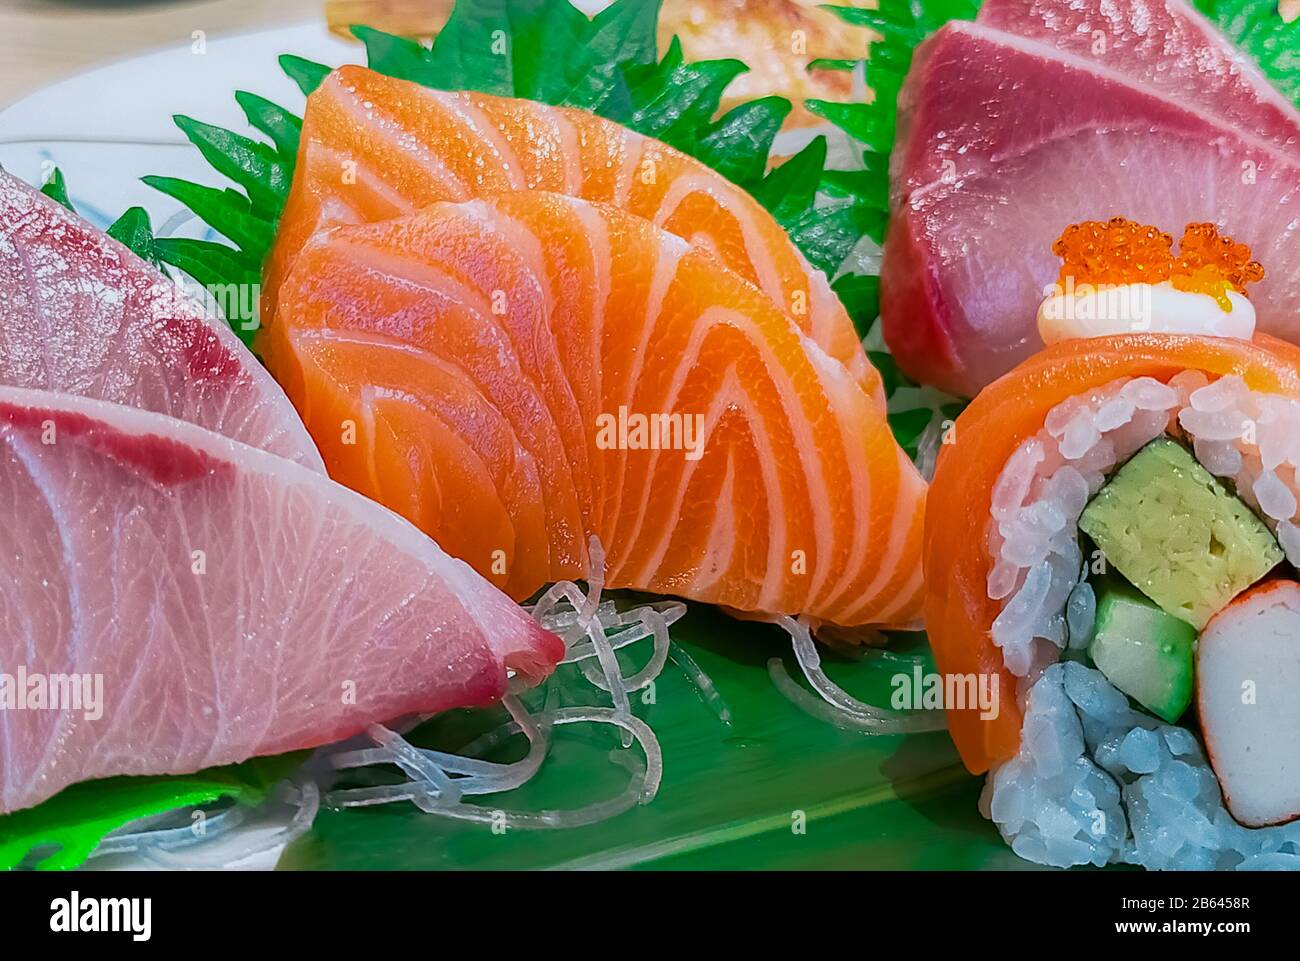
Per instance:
x=110, y=126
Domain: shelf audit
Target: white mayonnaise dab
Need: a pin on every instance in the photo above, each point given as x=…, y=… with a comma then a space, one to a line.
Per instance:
x=1088, y=311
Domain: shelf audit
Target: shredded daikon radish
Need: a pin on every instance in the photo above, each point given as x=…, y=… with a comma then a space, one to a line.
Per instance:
x=427, y=787
x=593, y=630
x=703, y=684
x=900, y=723
x=844, y=710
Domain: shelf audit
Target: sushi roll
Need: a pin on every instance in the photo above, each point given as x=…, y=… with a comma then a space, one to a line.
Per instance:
x=1111, y=545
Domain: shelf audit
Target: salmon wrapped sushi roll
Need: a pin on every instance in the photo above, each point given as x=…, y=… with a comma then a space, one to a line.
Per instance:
x=1110, y=546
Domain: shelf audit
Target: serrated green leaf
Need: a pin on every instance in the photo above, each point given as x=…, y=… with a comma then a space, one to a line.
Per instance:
x=507, y=47
x=890, y=375
x=57, y=190
x=900, y=25
x=860, y=295
x=307, y=74
x=737, y=146
x=828, y=63
x=208, y=262
x=791, y=188
x=134, y=231
x=870, y=185
x=889, y=14
x=673, y=99
x=254, y=166
x=866, y=123
x=283, y=127
x=226, y=211
x=827, y=234
x=893, y=29
x=394, y=56
x=907, y=426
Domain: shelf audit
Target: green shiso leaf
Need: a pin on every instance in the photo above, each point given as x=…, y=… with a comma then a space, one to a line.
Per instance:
x=860, y=294
x=226, y=210
x=210, y=263
x=738, y=145
x=870, y=184
x=866, y=123
x=254, y=166
x=828, y=63
x=57, y=190
x=307, y=74
x=277, y=123
x=827, y=234
x=72, y=823
x=508, y=48
x=672, y=99
x=1257, y=29
x=394, y=56
x=134, y=231
x=791, y=188
x=902, y=25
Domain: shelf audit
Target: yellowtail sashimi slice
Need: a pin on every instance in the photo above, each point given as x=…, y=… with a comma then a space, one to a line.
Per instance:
x=210, y=602
x=81, y=314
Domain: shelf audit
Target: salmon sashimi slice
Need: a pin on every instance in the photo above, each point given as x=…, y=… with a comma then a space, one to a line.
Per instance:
x=374, y=147
x=482, y=368
x=959, y=613
x=224, y=602
x=81, y=314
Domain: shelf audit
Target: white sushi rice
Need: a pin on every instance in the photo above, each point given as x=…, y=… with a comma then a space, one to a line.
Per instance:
x=1096, y=781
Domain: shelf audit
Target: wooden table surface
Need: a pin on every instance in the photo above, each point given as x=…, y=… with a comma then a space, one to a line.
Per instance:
x=42, y=41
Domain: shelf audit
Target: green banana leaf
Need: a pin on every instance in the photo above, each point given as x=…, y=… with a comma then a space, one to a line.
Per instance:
x=774, y=789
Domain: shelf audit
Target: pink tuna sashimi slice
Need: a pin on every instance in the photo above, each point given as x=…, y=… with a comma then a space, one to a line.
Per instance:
x=81, y=314
x=1164, y=44
x=234, y=603
x=1004, y=142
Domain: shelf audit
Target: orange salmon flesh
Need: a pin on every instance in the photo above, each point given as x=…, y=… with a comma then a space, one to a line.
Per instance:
x=373, y=148
x=477, y=368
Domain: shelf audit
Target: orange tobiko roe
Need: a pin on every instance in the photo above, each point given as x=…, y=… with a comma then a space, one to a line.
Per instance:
x=1212, y=263
x=1122, y=251
x=1117, y=251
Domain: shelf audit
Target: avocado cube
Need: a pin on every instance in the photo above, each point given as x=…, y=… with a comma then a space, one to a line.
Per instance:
x=1178, y=534
x=1145, y=652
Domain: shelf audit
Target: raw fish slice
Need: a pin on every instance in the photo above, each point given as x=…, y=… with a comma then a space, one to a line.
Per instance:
x=374, y=147
x=1006, y=141
x=81, y=314
x=234, y=603
x=1164, y=45
x=473, y=351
